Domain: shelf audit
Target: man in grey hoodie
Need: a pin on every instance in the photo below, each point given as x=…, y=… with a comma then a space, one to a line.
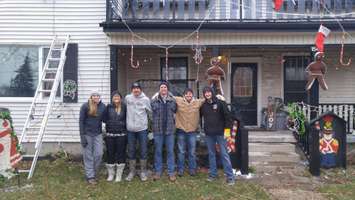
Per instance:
x=138, y=107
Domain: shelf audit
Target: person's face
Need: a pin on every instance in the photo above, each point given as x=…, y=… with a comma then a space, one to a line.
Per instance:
x=95, y=98
x=319, y=57
x=163, y=90
x=136, y=91
x=188, y=96
x=208, y=95
x=116, y=99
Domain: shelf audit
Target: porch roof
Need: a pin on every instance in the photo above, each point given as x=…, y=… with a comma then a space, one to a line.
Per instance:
x=227, y=38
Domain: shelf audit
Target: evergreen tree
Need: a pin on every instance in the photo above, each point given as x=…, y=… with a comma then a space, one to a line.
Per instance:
x=22, y=84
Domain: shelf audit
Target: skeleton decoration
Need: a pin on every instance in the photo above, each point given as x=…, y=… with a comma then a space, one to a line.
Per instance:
x=317, y=70
x=215, y=74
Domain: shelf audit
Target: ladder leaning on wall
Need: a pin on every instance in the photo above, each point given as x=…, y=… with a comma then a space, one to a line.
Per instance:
x=42, y=103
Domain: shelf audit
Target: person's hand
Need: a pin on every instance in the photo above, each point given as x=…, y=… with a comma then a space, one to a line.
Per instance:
x=83, y=141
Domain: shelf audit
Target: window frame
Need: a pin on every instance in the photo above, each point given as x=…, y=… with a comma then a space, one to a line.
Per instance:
x=40, y=65
x=162, y=68
x=59, y=98
x=23, y=99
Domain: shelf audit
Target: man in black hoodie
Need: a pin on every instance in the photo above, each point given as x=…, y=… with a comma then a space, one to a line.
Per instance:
x=216, y=117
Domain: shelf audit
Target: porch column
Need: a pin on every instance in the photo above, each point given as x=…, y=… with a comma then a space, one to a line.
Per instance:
x=113, y=68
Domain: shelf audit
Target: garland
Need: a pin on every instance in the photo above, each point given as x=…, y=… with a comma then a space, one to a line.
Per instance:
x=6, y=115
x=297, y=119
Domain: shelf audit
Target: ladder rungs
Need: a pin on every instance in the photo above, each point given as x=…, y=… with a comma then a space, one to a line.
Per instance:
x=45, y=91
x=54, y=59
x=51, y=69
x=57, y=49
x=23, y=170
x=48, y=80
x=38, y=114
x=28, y=156
x=33, y=127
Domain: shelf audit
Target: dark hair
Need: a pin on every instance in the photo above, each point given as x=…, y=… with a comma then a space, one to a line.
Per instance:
x=164, y=83
x=136, y=85
x=114, y=93
x=188, y=90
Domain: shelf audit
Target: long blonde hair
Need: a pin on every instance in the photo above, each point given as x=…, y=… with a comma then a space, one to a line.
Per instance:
x=92, y=108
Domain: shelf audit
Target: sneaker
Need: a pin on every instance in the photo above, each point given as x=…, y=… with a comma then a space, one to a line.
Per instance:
x=192, y=173
x=230, y=182
x=156, y=177
x=211, y=178
x=92, y=181
x=180, y=174
x=172, y=178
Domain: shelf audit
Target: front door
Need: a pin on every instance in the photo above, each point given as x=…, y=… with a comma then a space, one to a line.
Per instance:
x=244, y=91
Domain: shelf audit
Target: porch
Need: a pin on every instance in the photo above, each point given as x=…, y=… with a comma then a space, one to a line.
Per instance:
x=252, y=75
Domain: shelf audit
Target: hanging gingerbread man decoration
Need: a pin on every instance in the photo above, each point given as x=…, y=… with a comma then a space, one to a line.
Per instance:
x=317, y=70
x=215, y=74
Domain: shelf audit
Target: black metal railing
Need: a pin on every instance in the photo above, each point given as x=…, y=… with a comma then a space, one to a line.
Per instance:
x=227, y=10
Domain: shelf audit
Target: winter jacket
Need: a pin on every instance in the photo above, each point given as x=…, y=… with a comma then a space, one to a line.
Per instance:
x=216, y=117
x=188, y=114
x=91, y=125
x=115, y=122
x=163, y=115
x=137, y=112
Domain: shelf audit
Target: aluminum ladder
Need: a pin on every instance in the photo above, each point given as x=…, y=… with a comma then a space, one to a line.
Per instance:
x=43, y=100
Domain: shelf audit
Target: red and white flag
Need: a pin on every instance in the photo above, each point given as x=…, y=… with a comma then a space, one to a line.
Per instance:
x=323, y=32
x=278, y=4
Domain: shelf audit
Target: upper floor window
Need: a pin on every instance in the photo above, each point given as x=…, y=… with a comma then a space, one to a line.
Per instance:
x=18, y=70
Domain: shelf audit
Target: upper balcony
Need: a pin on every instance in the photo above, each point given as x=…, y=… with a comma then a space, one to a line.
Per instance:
x=149, y=15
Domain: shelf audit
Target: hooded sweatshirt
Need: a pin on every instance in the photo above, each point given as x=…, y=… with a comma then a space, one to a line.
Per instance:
x=137, y=112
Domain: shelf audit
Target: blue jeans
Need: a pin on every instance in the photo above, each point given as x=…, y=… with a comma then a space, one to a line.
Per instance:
x=143, y=144
x=227, y=165
x=186, y=140
x=92, y=155
x=159, y=140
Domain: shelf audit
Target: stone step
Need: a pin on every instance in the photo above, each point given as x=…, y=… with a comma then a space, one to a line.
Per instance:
x=271, y=137
x=274, y=160
x=272, y=147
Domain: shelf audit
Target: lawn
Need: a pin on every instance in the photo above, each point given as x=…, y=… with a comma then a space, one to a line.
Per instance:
x=63, y=179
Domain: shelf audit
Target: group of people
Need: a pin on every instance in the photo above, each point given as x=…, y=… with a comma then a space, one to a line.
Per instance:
x=126, y=123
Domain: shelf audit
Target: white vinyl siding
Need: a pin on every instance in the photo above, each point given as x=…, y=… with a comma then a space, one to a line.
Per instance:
x=34, y=22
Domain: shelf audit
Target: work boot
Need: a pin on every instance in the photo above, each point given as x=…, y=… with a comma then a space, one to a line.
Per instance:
x=143, y=173
x=132, y=170
x=119, y=172
x=110, y=171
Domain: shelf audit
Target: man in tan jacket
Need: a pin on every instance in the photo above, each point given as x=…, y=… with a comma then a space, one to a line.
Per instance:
x=187, y=122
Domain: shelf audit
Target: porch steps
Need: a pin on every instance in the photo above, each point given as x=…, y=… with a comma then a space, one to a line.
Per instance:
x=268, y=149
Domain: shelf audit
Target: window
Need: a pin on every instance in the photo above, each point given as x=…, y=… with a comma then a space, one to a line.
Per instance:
x=177, y=73
x=51, y=64
x=243, y=87
x=295, y=78
x=18, y=70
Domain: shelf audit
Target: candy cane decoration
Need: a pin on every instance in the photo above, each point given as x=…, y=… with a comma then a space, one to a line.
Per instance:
x=342, y=54
x=135, y=66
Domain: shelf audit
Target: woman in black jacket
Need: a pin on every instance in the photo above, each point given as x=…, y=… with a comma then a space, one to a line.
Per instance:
x=116, y=138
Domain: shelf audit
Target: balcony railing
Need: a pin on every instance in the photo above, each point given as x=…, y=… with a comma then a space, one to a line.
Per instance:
x=227, y=10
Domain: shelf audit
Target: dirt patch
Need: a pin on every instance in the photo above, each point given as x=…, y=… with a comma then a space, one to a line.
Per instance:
x=289, y=182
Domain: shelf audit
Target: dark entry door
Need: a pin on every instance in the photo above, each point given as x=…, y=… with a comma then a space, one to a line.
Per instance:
x=244, y=91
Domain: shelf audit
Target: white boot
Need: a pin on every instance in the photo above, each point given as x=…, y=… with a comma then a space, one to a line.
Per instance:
x=110, y=171
x=119, y=172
